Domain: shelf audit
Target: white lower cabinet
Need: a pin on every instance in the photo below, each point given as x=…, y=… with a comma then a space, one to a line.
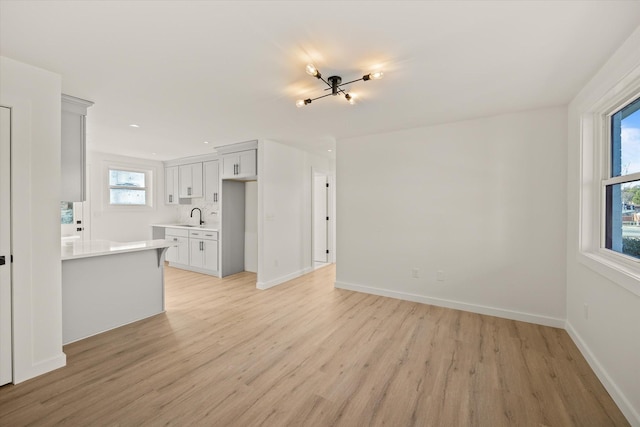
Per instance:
x=203, y=249
x=178, y=254
x=196, y=250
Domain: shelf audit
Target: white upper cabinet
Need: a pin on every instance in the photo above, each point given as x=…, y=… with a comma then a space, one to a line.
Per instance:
x=73, y=143
x=211, y=181
x=171, y=185
x=239, y=165
x=190, y=180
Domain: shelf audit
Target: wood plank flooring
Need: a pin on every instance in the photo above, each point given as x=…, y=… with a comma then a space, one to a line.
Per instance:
x=306, y=354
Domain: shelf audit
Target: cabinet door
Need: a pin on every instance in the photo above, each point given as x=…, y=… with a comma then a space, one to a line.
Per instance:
x=196, y=253
x=196, y=180
x=183, y=251
x=171, y=186
x=239, y=165
x=211, y=181
x=73, y=157
x=178, y=254
x=210, y=252
x=172, y=252
x=230, y=164
x=247, y=163
x=190, y=180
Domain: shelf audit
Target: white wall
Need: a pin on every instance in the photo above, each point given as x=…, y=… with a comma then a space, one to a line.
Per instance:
x=284, y=211
x=35, y=97
x=124, y=224
x=610, y=338
x=483, y=201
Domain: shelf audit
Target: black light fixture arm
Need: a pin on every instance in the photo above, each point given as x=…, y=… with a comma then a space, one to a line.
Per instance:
x=335, y=84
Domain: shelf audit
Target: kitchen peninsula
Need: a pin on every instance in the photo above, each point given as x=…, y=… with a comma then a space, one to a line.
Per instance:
x=109, y=284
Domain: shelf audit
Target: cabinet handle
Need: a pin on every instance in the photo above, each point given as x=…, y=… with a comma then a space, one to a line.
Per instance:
x=188, y=191
x=175, y=239
x=201, y=245
x=215, y=197
x=170, y=198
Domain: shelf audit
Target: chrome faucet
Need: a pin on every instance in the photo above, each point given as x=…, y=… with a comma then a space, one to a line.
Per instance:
x=201, y=221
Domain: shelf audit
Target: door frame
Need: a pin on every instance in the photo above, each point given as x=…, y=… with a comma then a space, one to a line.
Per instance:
x=331, y=212
x=6, y=311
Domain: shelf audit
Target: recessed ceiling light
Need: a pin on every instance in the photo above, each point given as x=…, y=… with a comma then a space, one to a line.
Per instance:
x=206, y=142
x=135, y=126
x=329, y=150
x=153, y=154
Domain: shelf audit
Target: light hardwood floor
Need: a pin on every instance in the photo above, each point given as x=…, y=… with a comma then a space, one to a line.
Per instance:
x=306, y=354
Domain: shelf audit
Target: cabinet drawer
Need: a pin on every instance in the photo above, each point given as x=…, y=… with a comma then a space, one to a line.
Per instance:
x=205, y=235
x=177, y=232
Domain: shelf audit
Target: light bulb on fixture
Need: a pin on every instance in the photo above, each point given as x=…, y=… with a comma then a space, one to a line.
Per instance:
x=377, y=75
x=302, y=102
x=350, y=98
x=312, y=70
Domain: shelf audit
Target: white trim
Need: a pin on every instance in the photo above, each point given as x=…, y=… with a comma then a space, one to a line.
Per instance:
x=215, y=273
x=40, y=368
x=473, y=308
x=283, y=279
x=616, y=394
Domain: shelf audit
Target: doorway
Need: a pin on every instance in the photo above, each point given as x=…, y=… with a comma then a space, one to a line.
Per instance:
x=321, y=219
x=6, y=342
x=72, y=221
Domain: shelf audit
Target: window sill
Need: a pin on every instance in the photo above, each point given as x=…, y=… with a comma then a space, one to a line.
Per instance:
x=615, y=270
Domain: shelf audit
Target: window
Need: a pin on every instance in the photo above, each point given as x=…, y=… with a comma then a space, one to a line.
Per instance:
x=609, y=168
x=128, y=187
x=621, y=186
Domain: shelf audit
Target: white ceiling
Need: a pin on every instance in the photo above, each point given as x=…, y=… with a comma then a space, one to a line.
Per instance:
x=226, y=72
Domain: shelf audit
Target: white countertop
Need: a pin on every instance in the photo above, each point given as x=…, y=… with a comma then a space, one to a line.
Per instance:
x=78, y=249
x=187, y=227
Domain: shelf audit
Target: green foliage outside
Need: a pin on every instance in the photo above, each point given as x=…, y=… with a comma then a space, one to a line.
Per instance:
x=631, y=195
x=631, y=246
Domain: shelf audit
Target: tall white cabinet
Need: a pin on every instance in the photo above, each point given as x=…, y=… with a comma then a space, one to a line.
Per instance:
x=239, y=165
x=73, y=143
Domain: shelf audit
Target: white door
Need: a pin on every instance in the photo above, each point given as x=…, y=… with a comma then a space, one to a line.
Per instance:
x=6, y=350
x=320, y=218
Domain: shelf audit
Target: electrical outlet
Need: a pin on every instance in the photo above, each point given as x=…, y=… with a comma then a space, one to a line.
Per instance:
x=440, y=276
x=415, y=273
x=586, y=311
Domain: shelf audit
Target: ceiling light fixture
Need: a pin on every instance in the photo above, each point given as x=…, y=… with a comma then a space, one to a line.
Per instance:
x=335, y=85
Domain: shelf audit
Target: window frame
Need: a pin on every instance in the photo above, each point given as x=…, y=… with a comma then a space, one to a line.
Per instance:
x=595, y=176
x=148, y=188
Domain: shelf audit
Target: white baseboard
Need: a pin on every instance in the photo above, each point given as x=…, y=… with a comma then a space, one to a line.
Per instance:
x=40, y=368
x=623, y=403
x=474, y=308
x=282, y=279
